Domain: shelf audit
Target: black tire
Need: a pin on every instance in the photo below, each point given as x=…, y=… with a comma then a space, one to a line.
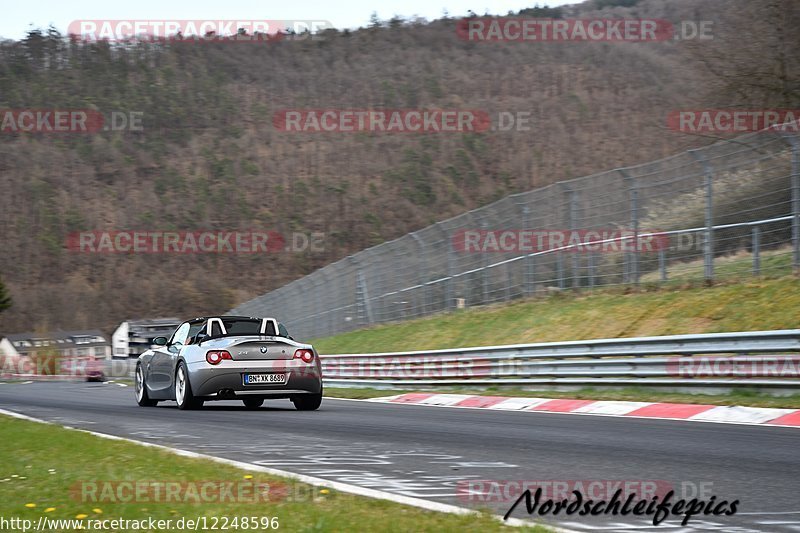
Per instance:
x=253, y=403
x=183, y=389
x=141, y=390
x=307, y=402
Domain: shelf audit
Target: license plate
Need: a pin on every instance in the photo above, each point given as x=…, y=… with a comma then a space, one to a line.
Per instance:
x=264, y=379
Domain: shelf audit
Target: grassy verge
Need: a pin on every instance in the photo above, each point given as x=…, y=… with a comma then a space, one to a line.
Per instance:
x=739, y=397
x=684, y=305
x=41, y=464
x=752, y=304
x=739, y=265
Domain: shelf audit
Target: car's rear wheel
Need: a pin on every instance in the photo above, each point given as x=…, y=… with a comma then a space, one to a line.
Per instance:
x=307, y=402
x=183, y=389
x=141, y=390
x=253, y=403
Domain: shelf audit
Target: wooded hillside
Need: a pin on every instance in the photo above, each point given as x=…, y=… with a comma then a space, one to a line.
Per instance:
x=209, y=157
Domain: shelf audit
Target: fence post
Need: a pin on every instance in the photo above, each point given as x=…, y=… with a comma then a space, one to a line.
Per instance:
x=792, y=139
x=362, y=311
x=527, y=262
x=484, y=273
x=633, y=196
x=323, y=324
x=365, y=298
x=662, y=263
x=305, y=304
x=756, y=251
x=315, y=290
x=448, y=282
x=573, y=217
x=570, y=197
x=422, y=273
x=708, y=245
x=395, y=305
x=357, y=307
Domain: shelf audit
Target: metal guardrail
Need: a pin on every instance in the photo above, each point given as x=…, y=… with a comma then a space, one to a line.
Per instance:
x=756, y=358
x=763, y=359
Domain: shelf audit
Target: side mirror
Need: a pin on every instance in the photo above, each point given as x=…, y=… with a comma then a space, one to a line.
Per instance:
x=160, y=341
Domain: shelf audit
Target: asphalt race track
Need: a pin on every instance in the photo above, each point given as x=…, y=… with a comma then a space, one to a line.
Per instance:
x=425, y=452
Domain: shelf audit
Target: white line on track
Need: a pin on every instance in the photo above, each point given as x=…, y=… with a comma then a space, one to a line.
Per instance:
x=336, y=485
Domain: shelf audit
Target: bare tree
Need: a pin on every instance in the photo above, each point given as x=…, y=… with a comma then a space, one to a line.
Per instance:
x=754, y=55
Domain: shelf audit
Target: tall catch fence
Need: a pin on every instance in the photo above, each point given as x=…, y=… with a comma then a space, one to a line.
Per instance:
x=729, y=209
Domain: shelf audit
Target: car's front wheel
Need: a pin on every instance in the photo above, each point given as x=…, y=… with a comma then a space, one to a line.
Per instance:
x=307, y=402
x=141, y=390
x=183, y=389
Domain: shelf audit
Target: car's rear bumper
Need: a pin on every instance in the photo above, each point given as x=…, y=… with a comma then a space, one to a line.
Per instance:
x=226, y=380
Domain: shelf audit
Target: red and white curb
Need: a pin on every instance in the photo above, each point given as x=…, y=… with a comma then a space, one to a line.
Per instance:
x=671, y=411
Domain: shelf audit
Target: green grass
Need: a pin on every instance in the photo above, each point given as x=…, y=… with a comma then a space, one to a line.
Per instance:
x=39, y=464
x=737, y=397
x=774, y=263
x=684, y=305
x=751, y=304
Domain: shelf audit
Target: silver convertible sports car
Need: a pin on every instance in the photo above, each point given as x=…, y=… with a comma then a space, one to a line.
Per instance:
x=229, y=358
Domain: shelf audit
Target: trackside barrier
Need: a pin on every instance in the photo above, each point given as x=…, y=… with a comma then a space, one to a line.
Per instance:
x=742, y=359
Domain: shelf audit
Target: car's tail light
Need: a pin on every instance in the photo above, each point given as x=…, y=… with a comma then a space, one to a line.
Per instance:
x=306, y=355
x=215, y=356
